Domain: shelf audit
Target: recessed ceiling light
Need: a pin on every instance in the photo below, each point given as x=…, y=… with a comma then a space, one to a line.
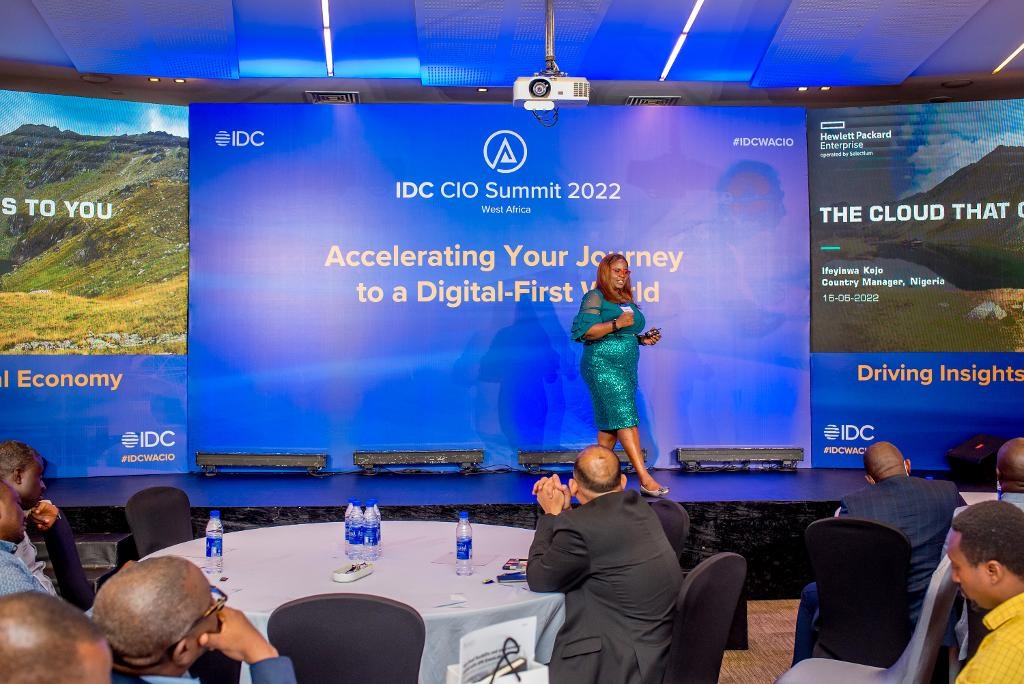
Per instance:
x=179, y=80
x=481, y=90
x=802, y=88
x=325, y=11
x=826, y=87
x=1008, y=59
x=681, y=39
x=154, y=79
x=95, y=78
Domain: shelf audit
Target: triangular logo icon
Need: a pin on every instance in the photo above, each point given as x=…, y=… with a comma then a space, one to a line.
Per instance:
x=505, y=154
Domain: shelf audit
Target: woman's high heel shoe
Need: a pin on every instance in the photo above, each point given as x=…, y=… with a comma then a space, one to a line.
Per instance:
x=660, y=491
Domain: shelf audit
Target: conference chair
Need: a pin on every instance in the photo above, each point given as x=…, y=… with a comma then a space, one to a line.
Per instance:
x=75, y=587
x=861, y=570
x=159, y=517
x=917, y=661
x=336, y=638
x=675, y=521
x=704, y=613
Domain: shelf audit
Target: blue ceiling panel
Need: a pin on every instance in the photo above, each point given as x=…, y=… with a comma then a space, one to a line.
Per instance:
x=25, y=37
x=280, y=39
x=374, y=40
x=469, y=43
x=186, y=38
x=858, y=42
x=633, y=41
x=728, y=40
x=983, y=43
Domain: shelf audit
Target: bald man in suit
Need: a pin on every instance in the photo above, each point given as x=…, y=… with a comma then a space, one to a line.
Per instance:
x=619, y=574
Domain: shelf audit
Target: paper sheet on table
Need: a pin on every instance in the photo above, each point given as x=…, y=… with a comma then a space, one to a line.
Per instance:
x=480, y=651
x=479, y=559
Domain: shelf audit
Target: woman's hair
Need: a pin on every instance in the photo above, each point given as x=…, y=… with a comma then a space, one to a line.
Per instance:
x=604, y=280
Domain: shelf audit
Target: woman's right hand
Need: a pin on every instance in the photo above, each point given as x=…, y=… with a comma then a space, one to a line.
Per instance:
x=625, y=320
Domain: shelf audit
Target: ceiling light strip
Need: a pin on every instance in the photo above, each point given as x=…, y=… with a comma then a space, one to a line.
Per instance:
x=1008, y=59
x=325, y=11
x=681, y=39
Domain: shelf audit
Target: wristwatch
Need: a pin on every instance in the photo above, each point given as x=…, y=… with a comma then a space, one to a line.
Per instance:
x=615, y=325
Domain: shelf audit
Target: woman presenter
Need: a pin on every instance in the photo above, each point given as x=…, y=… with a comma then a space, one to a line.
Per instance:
x=609, y=325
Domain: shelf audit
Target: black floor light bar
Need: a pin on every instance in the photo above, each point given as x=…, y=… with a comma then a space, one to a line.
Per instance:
x=536, y=460
x=209, y=462
x=711, y=459
x=466, y=459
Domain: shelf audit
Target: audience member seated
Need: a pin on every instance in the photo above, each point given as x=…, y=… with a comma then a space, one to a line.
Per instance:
x=1010, y=472
x=22, y=467
x=1010, y=487
x=986, y=551
x=921, y=509
x=43, y=640
x=160, y=615
x=618, y=571
x=15, y=576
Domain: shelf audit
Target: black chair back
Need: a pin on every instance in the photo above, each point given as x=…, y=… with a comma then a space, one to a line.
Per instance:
x=861, y=570
x=704, y=613
x=976, y=629
x=675, y=521
x=338, y=638
x=159, y=517
x=916, y=665
x=67, y=565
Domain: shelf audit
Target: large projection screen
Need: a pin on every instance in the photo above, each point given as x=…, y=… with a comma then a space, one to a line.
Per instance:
x=917, y=277
x=405, y=277
x=94, y=283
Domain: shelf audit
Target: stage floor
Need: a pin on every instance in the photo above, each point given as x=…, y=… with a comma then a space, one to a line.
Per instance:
x=300, y=489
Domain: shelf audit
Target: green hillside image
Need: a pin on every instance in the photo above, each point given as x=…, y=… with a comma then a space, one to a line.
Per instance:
x=79, y=283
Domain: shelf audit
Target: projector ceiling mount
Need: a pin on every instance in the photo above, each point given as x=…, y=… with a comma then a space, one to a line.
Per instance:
x=547, y=90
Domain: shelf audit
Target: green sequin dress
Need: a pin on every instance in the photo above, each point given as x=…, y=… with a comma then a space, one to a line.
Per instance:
x=609, y=364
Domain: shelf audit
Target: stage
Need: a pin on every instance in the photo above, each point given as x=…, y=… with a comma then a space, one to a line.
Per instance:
x=760, y=514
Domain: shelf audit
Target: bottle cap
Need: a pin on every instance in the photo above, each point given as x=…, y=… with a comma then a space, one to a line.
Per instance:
x=371, y=502
x=214, y=514
x=463, y=515
x=357, y=502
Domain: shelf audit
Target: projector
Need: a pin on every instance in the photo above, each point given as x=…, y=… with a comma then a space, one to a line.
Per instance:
x=540, y=92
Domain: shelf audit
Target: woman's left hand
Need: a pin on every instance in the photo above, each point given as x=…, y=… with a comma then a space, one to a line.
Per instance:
x=651, y=337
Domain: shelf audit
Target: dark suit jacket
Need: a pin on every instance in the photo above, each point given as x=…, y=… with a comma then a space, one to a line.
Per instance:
x=269, y=671
x=621, y=579
x=922, y=510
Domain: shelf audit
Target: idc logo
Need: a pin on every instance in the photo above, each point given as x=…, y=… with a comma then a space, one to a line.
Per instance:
x=148, y=439
x=849, y=433
x=239, y=138
x=505, y=151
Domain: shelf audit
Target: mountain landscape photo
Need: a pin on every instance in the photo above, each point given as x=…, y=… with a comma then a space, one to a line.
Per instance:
x=93, y=242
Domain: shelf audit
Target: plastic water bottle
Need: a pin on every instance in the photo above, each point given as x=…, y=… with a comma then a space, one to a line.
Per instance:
x=464, y=545
x=380, y=535
x=354, y=531
x=349, y=539
x=214, y=545
x=371, y=531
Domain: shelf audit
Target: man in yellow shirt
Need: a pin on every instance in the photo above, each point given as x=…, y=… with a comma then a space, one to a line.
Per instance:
x=986, y=550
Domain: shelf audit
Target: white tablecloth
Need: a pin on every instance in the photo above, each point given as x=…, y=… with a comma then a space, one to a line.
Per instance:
x=268, y=567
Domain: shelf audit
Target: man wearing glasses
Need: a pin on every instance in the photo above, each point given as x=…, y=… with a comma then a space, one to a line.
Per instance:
x=161, y=614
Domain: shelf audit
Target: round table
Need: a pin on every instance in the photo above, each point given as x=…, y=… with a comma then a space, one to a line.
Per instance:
x=267, y=567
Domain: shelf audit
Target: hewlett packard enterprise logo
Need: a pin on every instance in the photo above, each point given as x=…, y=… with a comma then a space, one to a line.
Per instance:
x=239, y=138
